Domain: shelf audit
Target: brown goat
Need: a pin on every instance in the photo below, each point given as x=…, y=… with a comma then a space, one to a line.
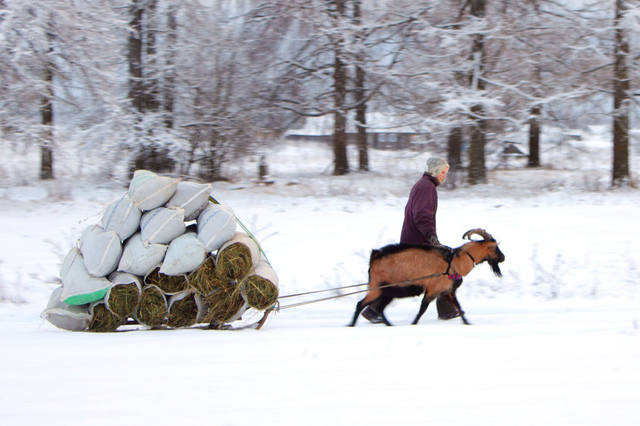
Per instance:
x=401, y=270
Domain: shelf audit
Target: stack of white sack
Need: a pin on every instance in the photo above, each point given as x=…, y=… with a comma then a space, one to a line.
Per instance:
x=142, y=264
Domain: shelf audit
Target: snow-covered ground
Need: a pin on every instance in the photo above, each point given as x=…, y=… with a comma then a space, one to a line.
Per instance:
x=556, y=341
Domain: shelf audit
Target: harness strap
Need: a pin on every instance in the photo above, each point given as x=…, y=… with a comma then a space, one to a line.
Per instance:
x=471, y=257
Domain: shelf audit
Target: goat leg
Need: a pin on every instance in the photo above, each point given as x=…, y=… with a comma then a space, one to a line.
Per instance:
x=454, y=300
x=359, y=307
x=423, y=307
x=384, y=301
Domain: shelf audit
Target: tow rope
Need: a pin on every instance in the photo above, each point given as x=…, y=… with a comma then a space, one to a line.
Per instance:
x=278, y=307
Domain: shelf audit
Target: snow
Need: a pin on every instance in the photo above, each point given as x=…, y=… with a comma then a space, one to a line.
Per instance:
x=556, y=341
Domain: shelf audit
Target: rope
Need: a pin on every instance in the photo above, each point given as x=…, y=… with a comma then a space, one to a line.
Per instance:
x=322, y=291
x=293, y=305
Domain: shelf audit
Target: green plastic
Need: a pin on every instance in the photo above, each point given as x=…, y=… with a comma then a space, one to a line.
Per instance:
x=83, y=299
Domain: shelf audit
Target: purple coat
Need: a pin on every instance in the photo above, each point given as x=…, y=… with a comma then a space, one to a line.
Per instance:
x=420, y=213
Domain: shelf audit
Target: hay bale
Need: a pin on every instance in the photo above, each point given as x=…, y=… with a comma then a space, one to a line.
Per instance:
x=170, y=284
x=260, y=292
x=123, y=299
x=152, y=310
x=236, y=257
x=103, y=320
x=204, y=279
x=183, y=310
x=223, y=305
x=260, y=288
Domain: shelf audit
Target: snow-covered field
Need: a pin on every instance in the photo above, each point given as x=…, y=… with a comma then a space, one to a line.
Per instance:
x=556, y=341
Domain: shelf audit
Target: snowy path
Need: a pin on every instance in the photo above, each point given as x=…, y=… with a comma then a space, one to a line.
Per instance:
x=553, y=363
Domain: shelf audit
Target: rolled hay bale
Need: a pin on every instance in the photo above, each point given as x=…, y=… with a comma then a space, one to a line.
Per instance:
x=260, y=287
x=204, y=279
x=223, y=305
x=103, y=320
x=236, y=257
x=152, y=309
x=124, y=295
x=183, y=310
x=170, y=284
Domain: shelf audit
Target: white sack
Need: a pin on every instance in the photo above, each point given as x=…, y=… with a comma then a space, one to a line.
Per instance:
x=162, y=225
x=124, y=278
x=192, y=197
x=122, y=216
x=78, y=286
x=101, y=250
x=185, y=254
x=216, y=225
x=140, y=259
x=64, y=316
x=149, y=190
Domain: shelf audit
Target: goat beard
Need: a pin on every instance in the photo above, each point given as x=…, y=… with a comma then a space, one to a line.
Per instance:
x=495, y=267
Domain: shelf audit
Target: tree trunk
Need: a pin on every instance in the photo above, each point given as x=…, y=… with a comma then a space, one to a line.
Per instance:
x=341, y=164
x=454, y=157
x=46, y=147
x=454, y=144
x=46, y=113
x=143, y=87
x=620, y=174
x=361, y=109
x=134, y=57
x=477, y=142
x=151, y=94
x=534, y=138
x=477, y=170
x=170, y=79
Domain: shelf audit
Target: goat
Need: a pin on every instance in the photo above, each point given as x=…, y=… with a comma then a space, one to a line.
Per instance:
x=404, y=270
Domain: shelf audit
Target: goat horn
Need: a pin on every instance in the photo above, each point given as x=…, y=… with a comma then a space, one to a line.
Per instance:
x=478, y=231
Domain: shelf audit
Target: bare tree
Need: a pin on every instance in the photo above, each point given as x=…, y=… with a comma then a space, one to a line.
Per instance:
x=144, y=88
x=170, y=72
x=621, y=99
x=46, y=107
x=341, y=164
x=477, y=172
x=360, y=95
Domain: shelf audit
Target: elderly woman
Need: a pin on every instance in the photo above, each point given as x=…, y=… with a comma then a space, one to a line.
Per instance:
x=419, y=225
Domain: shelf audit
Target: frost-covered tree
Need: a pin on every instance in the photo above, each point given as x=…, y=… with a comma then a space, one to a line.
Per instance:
x=55, y=64
x=331, y=47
